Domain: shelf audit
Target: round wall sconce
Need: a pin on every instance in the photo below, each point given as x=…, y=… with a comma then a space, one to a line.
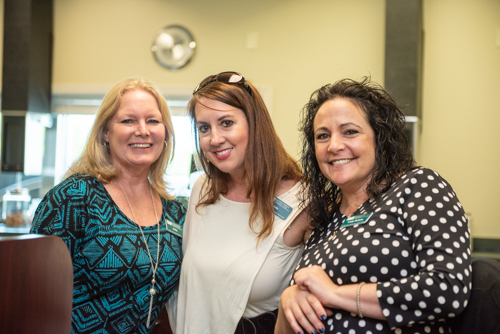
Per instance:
x=173, y=47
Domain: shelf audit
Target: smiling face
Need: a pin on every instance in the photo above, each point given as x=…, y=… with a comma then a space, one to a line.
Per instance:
x=136, y=132
x=344, y=144
x=223, y=133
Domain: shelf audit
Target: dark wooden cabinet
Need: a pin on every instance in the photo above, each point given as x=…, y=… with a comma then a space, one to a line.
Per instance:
x=36, y=285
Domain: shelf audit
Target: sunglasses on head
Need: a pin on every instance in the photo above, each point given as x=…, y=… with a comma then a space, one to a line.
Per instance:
x=224, y=77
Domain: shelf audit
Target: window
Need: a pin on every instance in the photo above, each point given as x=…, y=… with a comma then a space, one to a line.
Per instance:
x=75, y=117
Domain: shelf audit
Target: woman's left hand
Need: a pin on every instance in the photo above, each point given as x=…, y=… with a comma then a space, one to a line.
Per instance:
x=315, y=280
x=300, y=311
x=302, y=306
x=331, y=296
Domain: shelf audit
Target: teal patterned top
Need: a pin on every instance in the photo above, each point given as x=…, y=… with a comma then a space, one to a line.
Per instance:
x=112, y=270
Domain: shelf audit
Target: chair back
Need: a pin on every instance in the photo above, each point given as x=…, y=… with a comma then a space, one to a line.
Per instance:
x=36, y=285
x=482, y=314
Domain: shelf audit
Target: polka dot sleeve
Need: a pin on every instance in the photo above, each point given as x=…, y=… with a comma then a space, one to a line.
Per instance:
x=436, y=228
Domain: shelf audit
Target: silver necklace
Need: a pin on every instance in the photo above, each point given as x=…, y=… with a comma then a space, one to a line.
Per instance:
x=154, y=266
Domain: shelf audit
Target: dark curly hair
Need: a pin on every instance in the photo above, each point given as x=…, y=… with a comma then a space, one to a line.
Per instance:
x=393, y=155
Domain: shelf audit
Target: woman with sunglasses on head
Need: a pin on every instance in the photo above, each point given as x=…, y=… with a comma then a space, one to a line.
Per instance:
x=390, y=250
x=245, y=227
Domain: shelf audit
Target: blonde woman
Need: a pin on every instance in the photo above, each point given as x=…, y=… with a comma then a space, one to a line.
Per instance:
x=112, y=211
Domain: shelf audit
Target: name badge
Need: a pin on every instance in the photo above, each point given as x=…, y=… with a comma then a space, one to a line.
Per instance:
x=281, y=209
x=356, y=220
x=174, y=228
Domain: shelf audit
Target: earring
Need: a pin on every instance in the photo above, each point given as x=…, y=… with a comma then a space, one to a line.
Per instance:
x=208, y=161
x=165, y=143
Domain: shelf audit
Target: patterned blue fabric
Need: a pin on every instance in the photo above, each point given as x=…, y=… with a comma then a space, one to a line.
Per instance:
x=112, y=270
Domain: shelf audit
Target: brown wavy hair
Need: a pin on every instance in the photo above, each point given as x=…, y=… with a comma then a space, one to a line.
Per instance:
x=266, y=160
x=393, y=155
x=96, y=158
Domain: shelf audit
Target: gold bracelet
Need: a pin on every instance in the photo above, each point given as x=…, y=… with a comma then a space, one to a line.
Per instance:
x=358, y=303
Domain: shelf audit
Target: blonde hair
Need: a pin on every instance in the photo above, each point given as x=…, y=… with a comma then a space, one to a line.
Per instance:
x=96, y=159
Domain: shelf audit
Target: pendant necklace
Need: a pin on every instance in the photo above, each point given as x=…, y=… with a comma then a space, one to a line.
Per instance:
x=347, y=216
x=154, y=266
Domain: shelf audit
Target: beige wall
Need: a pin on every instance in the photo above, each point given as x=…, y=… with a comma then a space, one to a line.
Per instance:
x=460, y=135
x=301, y=46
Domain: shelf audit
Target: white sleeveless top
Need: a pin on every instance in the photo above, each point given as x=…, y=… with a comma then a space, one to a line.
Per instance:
x=225, y=274
x=272, y=278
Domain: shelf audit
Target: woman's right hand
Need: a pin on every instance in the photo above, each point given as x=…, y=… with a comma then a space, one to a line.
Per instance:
x=300, y=312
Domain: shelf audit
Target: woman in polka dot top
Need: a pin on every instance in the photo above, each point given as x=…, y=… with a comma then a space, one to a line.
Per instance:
x=390, y=249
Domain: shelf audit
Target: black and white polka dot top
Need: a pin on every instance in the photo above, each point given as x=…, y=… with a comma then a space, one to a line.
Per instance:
x=415, y=246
